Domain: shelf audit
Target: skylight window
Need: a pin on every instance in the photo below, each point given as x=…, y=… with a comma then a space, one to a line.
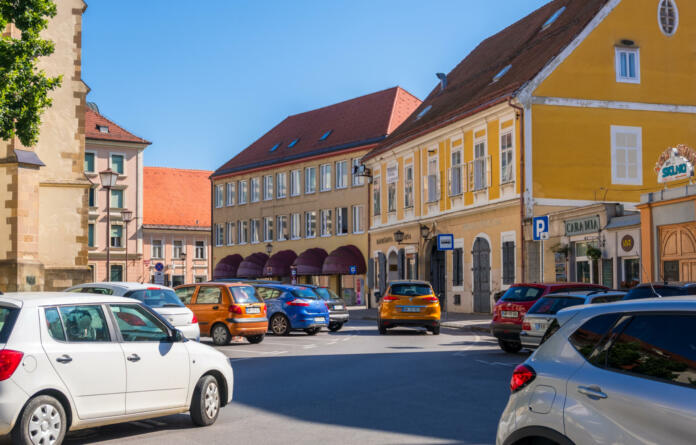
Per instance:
x=325, y=135
x=275, y=147
x=293, y=143
x=501, y=73
x=423, y=111
x=103, y=128
x=553, y=18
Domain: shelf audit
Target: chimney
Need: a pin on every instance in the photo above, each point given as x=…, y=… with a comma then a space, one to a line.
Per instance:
x=443, y=81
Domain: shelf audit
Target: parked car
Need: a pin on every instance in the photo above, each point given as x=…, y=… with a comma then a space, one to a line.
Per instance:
x=657, y=290
x=540, y=316
x=293, y=308
x=160, y=298
x=509, y=311
x=338, y=311
x=620, y=373
x=409, y=303
x=225, y=310
x=72, y=361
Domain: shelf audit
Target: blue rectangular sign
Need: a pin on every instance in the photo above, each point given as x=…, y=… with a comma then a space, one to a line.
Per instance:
x=540, y=228
x=445, y=241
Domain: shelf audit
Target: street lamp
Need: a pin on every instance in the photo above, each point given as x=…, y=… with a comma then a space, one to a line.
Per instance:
x=108, y=179
x=398, y=236
x=269, y=248
x=424, y=232
x=127, y=216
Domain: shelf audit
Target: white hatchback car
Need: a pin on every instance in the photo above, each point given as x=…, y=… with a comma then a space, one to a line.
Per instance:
x=72, y=361
x=160, y=298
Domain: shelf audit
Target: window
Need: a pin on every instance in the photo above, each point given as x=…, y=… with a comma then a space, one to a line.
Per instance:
x=136, y=324
x=177, y=249
x=456, y=174
x=90, y=235
x=54, y=324
x=457, y=267
x=631, y=272
x=591, y=333
x=376, y=196
x=627, y=65
x=423, y=112
x=243, y=236
x=325, y=177
x=358, y=212
x=85, y=323
x=89, y=162
x=392, y=178
x=208, y=295
x=157, y=252
x=295, y=224
x=501, y=73
x=92, y=197
x=357, y=180
x=116, y=272
x=268, y=187
x=325, y=135
x=626, y=155
x=508, y=262
x=506, y=162
x=433, y=181
x=219, y=196
x=219, y=235
x=230, y=233
x=282, y=227
x=310, y=179
x=103, y=128
x=255, y=227
x=553, y=18
x=668, y=17
x=200, y=250
x=116, y=199
x=480, y=181
x=230, y=194
x=268, y=229
x=408, y=187
x=295, y=183
x=255, y=189
x=185, y=294
x=275, y=147
x=341, y=174
x=310, y=224
x=243, y=192
x=117, y=163
x=326, y=223
x=116, y=236
x=342, y=221
x=282, y=184
x=293, y=143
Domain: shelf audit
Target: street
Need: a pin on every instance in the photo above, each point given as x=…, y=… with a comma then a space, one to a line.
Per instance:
x=353, y=386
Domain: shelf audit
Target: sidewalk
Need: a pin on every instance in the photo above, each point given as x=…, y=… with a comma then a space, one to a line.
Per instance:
x=467, y=322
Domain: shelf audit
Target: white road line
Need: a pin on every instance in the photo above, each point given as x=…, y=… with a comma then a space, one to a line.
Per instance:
x=310, y=346
x=259, y=352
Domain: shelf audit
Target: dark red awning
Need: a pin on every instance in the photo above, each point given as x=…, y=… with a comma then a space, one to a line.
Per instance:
x=279, y=264
x=310, y=261
x=252, y=266
x=227, y=267
x=341, y=260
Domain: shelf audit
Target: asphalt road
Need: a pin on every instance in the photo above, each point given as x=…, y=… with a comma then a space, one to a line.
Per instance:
x=349, y=387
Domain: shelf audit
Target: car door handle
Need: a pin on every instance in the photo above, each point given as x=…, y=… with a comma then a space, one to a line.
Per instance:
x=592, y=391
x=133, y=358
x=215, y=308
x=65, y=358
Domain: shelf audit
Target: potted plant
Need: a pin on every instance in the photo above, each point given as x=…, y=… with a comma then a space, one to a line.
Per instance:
x=594, y=253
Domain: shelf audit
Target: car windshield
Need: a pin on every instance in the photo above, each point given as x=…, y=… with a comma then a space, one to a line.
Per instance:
x=410, y=290
x=304, y=292
x=522, y=293
x=326, y=294
x=8, y=316
x=245, y=295
x=156, y=297
x=551, y=305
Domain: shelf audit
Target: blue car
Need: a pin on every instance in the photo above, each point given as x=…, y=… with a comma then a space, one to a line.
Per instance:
x=293, y=308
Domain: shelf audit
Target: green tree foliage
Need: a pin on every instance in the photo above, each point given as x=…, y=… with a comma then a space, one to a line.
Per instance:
x=23, y=87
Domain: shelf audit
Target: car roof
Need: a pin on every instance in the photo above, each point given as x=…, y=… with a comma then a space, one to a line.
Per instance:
x=680, y=303
x=282, y=286
x=219, y=283
x=128, y=285
x=30, y=299
x=586, y=293
x=555, y=285
x=426, y=283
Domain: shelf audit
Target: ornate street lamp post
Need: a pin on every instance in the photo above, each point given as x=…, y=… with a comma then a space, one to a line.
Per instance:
x=108, y=179
x=269, y=248
x=127, y=216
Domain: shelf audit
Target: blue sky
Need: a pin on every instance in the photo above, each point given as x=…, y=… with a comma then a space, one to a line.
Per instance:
x=204, y=79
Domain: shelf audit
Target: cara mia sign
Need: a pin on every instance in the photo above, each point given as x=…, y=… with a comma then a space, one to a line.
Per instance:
x=675, y=163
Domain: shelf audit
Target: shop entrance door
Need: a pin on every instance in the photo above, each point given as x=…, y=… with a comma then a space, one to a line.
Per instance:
x=482, y=275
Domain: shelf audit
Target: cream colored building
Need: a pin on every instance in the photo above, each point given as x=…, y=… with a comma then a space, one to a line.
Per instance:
x=43, y=189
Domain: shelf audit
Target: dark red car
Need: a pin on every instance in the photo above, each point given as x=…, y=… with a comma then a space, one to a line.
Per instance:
x=516, y=301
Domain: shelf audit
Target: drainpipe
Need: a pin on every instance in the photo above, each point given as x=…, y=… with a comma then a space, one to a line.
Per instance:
x=520, y=114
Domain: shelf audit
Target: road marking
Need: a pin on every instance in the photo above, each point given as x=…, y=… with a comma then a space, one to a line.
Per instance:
x=495, y=363
x=310, y=346
x=260, y=352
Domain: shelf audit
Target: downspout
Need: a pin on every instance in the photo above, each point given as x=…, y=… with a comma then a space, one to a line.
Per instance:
x=520, y=115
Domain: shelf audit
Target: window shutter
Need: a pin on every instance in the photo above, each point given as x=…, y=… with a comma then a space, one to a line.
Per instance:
x=470, y=171
x=382, y=272
x=401, y=260
x=488, y=171
x=464, y=175
x=370, y=273
x=425, y=188
x=438, y=181
x=449, y=182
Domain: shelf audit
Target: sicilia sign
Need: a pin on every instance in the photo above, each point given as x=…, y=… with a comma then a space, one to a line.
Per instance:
x=581, y=226
x=675, y=163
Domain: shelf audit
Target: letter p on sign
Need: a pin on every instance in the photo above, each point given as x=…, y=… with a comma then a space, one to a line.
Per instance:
x=541, y=228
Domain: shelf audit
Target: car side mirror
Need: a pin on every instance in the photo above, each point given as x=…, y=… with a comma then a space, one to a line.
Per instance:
x=178, y=336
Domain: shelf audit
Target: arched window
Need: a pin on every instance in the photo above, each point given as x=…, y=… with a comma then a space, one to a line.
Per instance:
x=668, y=17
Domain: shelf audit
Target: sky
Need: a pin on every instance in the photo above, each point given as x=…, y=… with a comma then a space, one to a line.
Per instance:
x=203, y=80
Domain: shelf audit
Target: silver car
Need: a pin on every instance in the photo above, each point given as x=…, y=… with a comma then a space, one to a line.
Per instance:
x=540, y=316
x=620, y=373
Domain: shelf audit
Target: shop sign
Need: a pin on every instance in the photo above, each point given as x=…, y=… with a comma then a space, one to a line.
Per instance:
x=675, y=163
x=385, y=240
x=627, y=243
x=581, y=226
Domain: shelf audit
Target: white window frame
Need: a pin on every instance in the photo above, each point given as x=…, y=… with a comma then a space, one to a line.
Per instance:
x=452, y=173
x=295, y=226
x=219, y=235
x=267, y=229
x=152, y=249
x=326, y=222
x=408, y=184
x=242, y=232
x=243, y=192
x=313, y=189
x=295, y=191
x=123, y=197
x=111, y=165
x=308, y=225
x=676, y=18
x=255, y=229
x=356, y=181
x=618, y=50
x=176, y=256
x=325, y=178
x=230, y=228
x=268, y=187
x=255, y=182
x=341, y=174
x=339, y=221
x=231, y=193
x=376, y=183
x=357, y=212
x=219, y=196
x=504, y=133
x=281, y=193
x=195, y=250
x=281, y=228
x=435, y=197
x=638, y=132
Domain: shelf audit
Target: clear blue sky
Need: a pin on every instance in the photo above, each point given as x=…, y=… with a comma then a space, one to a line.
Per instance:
x=204, y=79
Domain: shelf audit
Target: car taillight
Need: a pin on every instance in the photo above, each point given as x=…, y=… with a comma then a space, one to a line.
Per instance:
x=390, y=298
x=431, y=299
x=327, y=305
x=9, y=360
x=235, y=309
x=194, y=320
x=526, y=326
x=263, y=307
x=522, y=376
x=297, y=302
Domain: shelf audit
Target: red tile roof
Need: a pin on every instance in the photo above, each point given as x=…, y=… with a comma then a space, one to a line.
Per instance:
x=524, y=45
x=176, y=197
x=93, y=120
x=354, y=123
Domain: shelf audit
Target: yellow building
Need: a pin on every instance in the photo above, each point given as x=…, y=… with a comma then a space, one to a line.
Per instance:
x=290, y=207
x=570, y=106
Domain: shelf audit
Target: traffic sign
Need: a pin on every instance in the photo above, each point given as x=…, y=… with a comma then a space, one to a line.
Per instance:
x=353, y=270
x=159, y=267
x=445, y=241
x=541, y=228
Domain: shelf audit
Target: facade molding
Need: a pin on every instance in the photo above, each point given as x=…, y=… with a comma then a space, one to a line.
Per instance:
x=579, y=203
x=613, y=105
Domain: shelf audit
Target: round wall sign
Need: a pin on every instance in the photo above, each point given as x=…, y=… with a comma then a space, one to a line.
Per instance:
x=627, y=243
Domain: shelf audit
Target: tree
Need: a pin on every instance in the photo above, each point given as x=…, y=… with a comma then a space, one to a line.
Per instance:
x=23, y=87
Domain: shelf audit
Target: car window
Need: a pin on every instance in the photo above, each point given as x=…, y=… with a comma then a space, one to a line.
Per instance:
x=85, y=323
x=522, y=293
x=53, y=323
x=559, y=290
x=606, y=299
x=587, y=336
x=208, y=295
x=551, y=305
x=76, y=290
x=659, y=291
x=267, y=293
x=185, y=294
x=137, y=324
x=410, y=290
x=245, y=295
x=97, y=290
x=659, y=346
x=156, y=297
x=306, y=293
x=8, y=316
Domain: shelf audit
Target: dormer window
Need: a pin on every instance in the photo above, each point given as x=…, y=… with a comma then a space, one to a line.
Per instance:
x=325, y=135
x=103, y=128
x=293, y=143
x=553, y=18
x=275, y=147
x=423, y=112
x=501, y=73
x=668, y=16
x=627, y=64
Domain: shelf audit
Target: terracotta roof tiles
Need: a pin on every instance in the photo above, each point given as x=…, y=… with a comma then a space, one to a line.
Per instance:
x=94, y=120
x=176, y=197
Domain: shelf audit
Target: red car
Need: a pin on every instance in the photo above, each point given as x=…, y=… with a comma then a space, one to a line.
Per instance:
x=514, y=304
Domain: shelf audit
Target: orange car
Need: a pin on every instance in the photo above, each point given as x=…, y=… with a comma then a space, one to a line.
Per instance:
x=224, y=310
x=409, y=303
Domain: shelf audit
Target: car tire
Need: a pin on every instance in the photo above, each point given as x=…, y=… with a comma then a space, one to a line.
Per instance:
x=335, y=327
x=254, y=339
x=382, y=329
x=31, y=421
x=510, y=346
x=279, y=324
x=220, y=334
x=312, y=331
x=435, y=330
x=205, y=404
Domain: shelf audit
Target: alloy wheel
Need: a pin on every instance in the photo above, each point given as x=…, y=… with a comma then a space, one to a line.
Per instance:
x=219, y=334
x=279, y=325
x=212, y=400
x=45, y=425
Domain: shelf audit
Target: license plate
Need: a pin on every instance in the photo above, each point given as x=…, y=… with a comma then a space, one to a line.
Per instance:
x=509, y=314
x=319, y=319
x=410, y=309
x=539, y=326
x=338, y=307
x=253, y=310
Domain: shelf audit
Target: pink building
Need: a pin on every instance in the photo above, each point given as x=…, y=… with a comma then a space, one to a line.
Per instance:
x=176, y=226
x=109, y=146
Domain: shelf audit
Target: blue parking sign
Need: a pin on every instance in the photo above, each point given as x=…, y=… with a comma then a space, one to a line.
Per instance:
x=541, y=228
